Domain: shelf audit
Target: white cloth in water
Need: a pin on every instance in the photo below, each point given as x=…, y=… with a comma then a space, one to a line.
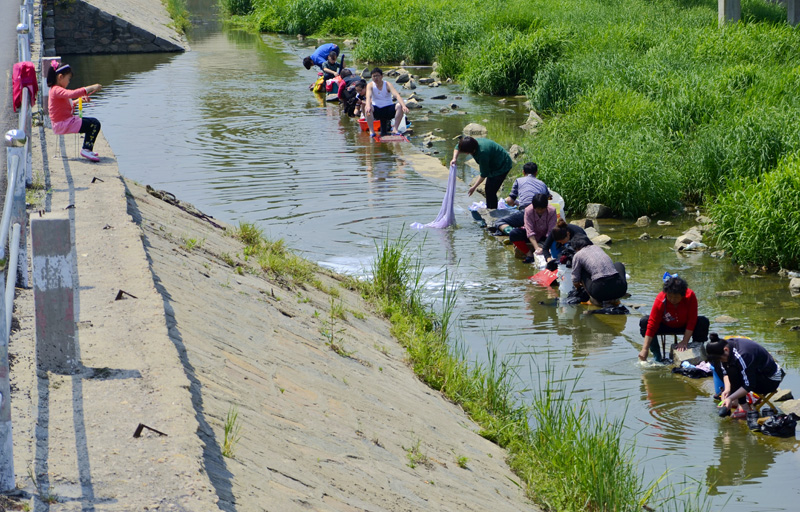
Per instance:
x=446, y=217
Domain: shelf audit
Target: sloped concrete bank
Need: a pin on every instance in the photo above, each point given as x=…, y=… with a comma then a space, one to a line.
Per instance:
x=319, y=430
x=108, y=26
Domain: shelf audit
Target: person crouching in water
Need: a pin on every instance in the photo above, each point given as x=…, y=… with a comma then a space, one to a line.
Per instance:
x=746, y=367
x=379, y=104
x=539, y=220
x=522, y=193
x=674, y=312
x=558, y=240
x=60, y=107
x=593, y=270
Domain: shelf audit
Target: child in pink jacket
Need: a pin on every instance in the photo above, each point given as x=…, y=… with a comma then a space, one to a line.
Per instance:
x=60, y=106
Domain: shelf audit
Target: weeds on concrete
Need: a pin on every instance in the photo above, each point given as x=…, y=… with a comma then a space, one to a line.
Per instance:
x=462, y=461
x=191, y=243
x=416, y=457
x=43, y=495
x=232, y=430
x=273, y=257
x=567, y=457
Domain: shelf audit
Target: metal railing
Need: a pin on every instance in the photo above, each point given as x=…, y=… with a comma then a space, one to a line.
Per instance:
x=14, y=219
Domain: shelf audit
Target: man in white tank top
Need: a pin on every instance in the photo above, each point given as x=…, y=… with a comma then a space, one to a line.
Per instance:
x=379, y=104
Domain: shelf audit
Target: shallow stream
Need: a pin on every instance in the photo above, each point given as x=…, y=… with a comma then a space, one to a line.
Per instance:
x=231, y=127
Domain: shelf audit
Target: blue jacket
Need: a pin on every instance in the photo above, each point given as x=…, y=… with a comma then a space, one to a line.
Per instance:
x=320, y=55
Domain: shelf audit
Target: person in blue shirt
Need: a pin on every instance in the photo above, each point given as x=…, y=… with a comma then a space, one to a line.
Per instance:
x=320, y=55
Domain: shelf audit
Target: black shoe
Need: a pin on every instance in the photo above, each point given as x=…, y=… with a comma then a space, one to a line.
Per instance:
x=752, y=420
x=724, y=411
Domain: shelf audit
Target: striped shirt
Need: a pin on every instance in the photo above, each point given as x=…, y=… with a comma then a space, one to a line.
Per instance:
x=525, y=188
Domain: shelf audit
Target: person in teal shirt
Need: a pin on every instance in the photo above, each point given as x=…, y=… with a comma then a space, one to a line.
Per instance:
x=493, y=161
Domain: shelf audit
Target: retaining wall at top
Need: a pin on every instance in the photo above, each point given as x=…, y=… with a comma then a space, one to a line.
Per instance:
x=78, y=27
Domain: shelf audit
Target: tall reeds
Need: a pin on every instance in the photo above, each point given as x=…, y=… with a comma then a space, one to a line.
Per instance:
x=569, y=457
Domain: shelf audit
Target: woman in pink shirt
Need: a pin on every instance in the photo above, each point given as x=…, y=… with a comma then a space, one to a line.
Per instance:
x=60, y=106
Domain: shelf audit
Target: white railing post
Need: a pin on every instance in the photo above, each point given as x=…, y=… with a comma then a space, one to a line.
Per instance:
x=23, y=43
x=14, y=154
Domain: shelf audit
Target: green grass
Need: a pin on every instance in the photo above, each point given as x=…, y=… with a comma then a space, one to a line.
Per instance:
x=752, y=221
x=647, y=103
x=272, y=257
x=567, y=456
x=231, y=432
x=180, y=16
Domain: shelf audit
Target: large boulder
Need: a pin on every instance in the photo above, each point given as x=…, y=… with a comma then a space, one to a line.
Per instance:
x=643, y=221
x=410, y=84
x=601, y=240
x=475, y=130
x=690, y=240
x=584, y=223
x=591, y=232
x=412, y=104
x=597, y=211
x=426, y=81
x=515, y=152
x=403, y=77
x=349, y=43
x=532, y=123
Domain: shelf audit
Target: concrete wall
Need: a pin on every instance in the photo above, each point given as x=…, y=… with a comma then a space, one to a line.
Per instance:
x=77, y=27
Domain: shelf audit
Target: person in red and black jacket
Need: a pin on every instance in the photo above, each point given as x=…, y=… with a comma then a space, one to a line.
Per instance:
x=674, y=312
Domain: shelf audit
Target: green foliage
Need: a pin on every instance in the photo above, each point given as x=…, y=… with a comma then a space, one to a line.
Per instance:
x=180, y=16
x=553, y=89
x=504, y=62
x=757, y=220
x=231, y=432
x=645, y=102
x=236, y=7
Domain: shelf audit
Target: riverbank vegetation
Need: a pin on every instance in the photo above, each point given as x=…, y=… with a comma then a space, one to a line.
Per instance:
x=647, y=104
x=567, y=456
x=180, y=16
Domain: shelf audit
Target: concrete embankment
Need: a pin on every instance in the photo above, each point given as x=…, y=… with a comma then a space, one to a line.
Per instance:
x=171, y=335
x=108, y=26
x=318, y=430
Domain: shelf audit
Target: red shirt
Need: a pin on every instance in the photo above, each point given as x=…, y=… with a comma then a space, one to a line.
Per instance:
x=684, y=314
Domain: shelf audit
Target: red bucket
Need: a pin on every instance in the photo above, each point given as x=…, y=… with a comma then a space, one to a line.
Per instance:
x=376, y=125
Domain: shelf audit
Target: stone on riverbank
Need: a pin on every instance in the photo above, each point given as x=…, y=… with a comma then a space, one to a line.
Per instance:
x=410, y=84
x=642, y=221
x=597, y=211
x=403, y=78
x=413, y=104
x=729, y=293
x=515, y=152
x=644, y=236
x=532, y=123
x=794, y=286
x=426, y=81
x=686, y=239
x=439, y=97
x=475, y=130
